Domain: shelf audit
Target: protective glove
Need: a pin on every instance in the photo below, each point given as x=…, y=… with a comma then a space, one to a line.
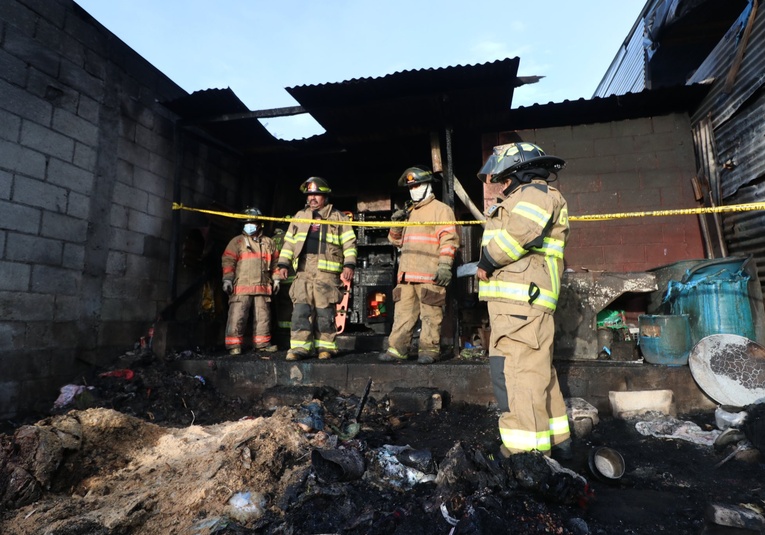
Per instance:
x=443, y=275
x=399, y=215
x=275, y=286
x=228, y=287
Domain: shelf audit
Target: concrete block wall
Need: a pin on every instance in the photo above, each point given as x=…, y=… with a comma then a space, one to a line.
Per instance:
x=628, y=166
x=88, y=160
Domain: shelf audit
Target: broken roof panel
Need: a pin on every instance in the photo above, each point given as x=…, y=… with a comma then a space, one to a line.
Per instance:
x=223, y=115
x=410, y=102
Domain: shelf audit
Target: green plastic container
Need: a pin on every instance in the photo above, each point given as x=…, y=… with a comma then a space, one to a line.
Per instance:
x=665, y=339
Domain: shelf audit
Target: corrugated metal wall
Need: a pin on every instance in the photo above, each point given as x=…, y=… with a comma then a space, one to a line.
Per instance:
x=735, y=109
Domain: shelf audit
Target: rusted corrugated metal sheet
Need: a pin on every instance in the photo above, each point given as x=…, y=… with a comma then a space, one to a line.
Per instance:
x=738, y=119
x=720, y=106
x=411, y=102
x=743, y=230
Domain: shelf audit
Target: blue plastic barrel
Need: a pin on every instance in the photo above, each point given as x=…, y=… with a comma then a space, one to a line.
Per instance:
x=717, y=303
x=665, y=339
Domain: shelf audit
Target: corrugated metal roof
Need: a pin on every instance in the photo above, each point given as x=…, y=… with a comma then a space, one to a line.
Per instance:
x=399, y=106
x=647, y=103
x=410, y=102
x=626, y=74
x=670, y=39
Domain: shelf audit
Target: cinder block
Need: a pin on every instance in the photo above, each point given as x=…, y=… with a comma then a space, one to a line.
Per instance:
x=734, y=516
x=635, y=403
x=582, y=415
x=415, y=399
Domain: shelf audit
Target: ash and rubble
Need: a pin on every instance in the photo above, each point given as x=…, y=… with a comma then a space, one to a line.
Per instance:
x=149, y=449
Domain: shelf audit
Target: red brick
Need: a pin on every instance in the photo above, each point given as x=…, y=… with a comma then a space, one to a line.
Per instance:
x=659, y=255
x=624, y=254
x=579, y=257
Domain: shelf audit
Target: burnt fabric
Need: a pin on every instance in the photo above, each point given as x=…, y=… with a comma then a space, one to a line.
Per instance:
x=249, y=262
x=522, y=253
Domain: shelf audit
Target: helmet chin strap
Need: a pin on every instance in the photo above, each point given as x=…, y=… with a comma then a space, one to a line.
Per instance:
x=419, y=192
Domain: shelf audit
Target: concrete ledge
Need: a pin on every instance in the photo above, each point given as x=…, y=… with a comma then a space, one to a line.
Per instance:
x=459, y=381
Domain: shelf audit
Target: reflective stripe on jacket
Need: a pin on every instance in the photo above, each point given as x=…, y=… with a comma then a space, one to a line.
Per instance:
x=337, y=242
x=525, y=237
x=249, y=262
x=424, y=247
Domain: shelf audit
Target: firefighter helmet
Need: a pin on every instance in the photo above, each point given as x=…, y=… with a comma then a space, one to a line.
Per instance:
x=512, y=158
x=252, y=213
x=315, y=186
x=418, y=174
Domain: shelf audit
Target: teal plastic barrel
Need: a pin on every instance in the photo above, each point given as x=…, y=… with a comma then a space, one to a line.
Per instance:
x=665, y=339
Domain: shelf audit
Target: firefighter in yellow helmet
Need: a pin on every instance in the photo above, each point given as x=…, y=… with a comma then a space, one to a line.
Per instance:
x=322, y=254
x=249, y=263
x=519, y=275
x=424, y=269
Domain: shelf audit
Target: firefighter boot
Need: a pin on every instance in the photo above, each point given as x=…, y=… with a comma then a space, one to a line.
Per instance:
x=562, y=451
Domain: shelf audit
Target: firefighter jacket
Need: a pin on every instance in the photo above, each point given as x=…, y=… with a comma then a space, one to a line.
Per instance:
x=424, y=247
x=250, y=262
x=337, y=241
x=523, y=242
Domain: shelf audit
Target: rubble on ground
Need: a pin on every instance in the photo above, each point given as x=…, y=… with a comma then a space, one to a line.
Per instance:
x=158, y=451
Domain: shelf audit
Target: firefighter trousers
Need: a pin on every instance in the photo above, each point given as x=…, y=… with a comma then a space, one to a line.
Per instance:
x=314, y=296
x=239, y=307
x=533, y=412
x=417, y=301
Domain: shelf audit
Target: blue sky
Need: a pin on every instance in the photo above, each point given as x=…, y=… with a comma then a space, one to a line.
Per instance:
x=259, y=47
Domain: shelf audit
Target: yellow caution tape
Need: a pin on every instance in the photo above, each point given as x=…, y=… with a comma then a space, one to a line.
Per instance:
x=387, y=224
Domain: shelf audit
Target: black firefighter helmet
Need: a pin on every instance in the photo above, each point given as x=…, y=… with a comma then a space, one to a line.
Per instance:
x=315, y=186
x=513, y=158
x=419, y=174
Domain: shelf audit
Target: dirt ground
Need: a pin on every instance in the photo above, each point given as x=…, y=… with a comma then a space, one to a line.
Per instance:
x=162, y=452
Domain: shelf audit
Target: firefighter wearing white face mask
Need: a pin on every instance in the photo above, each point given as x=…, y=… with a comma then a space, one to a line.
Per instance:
x=424, y=269
x=249, y=264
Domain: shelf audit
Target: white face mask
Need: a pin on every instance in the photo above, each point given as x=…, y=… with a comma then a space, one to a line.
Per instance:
x=250, y=229
x=419, y=192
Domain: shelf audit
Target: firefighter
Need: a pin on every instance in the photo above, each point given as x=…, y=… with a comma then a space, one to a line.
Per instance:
x=424, y=268
x=519, y=275
x=321, y=255
x=249, y=263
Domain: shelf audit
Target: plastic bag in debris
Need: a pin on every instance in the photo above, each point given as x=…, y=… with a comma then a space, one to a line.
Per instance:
x=244, y=506
x=385, y=470
x=68, y=393
x=725, y=419
x=663, y=426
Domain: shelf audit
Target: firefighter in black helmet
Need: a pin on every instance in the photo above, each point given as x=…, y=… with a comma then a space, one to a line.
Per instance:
x=424, y=268
x=249, y=263
x=321, y=254
x=519, y=275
